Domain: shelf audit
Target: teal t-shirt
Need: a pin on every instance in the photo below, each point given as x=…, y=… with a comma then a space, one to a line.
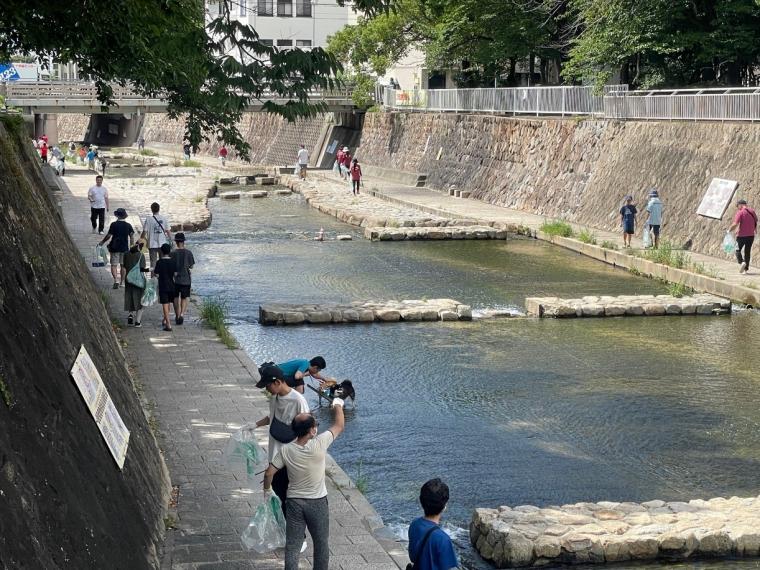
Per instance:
x=290, y=367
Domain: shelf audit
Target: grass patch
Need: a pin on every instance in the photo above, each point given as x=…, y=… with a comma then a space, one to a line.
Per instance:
x=199, y=199
x=606, y=244
x=634, y=271
x=703, y=269
x=524, y=231
x=678, y=290
x=214, y=313
x=667, y=255
x=750, y=284
x=5, y=393
x=587, y=237
x=362, y=481
x=148, y=152
x=557, y=228
x=191, y=163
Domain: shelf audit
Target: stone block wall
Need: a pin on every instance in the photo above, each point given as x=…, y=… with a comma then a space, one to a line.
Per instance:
x=72, y=127
x=578, y=170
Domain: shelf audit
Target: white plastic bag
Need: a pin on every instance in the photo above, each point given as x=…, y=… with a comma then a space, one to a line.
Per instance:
x=243, y=450
x=150, y=294
x=647, y=237
x=100, y=256
x=729, y=243
x=266, y=529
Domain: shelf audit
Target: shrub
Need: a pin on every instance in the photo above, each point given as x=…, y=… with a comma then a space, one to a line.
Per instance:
x=606, y=244
x=557, y=228
x=191, y=163
x=214, y=313
x=678, y=289
x=587, y=237
x=148, y=152
x=666, y=255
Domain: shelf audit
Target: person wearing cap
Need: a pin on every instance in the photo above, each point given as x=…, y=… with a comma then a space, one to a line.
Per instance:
x=628, y=220
x=745, y=224
x=120, y=235
x=345, y=165
x=184, y=262
x=654, y=208
x=307, y=506
x=296, y=370
x=285, y=405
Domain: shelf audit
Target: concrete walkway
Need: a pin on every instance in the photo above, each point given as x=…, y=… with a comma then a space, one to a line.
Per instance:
x=199, y=392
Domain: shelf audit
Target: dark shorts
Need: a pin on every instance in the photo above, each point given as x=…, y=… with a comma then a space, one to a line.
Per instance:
x=292, y=382
x=182, y=291
x=655, y=229
x=628, y=229
x=166, y=296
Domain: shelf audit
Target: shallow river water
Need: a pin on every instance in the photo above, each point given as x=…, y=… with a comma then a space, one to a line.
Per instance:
x=506, y=411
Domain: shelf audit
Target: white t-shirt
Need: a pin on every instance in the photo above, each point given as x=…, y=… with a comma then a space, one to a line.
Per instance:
x=156, y=236
x=306, y=466
x=303, y=156
x=285, y=408
x=97, y=196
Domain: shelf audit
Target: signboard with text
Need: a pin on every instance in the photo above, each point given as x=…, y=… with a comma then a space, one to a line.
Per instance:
x=98, y=401
x=717, y=198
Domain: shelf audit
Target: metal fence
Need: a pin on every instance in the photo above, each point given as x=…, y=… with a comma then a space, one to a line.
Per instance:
x=731, y=104
x=515, y=100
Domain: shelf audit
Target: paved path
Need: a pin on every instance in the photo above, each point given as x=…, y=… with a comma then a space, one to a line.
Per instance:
x=200, y=392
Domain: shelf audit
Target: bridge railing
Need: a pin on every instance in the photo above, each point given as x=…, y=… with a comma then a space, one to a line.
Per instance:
x=561, y=100
x=730, y=104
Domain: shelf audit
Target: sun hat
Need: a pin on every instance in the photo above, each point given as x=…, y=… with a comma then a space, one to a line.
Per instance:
x=741, y=201
x=345, y=149
x=179, y=236
x=653, y=193
x=120, y=213
x=269, y=374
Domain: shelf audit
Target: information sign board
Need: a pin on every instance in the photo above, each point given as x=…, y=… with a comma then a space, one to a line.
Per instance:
x=717, y=198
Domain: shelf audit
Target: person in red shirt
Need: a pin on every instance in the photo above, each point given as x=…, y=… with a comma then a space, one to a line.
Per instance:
x=356, y=176
x=345, y=164
x=44, y=152
x=223, y=154
x=745, y=224
x=339, y=161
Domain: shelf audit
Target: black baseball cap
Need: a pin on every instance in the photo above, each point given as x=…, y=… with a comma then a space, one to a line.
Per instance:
x=269, y=373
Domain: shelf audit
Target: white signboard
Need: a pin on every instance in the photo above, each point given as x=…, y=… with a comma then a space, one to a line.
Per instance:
x=112, y=428
x=717, y=198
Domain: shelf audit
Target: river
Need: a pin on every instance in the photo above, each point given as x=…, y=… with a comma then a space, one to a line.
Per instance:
x=506, y=411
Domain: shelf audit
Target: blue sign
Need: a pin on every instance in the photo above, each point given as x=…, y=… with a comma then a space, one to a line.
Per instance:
x=8, y=72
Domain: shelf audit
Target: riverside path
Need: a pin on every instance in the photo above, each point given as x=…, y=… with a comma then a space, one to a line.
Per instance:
x=198, y=392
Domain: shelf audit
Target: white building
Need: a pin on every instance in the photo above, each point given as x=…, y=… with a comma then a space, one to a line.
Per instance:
x=291, y=23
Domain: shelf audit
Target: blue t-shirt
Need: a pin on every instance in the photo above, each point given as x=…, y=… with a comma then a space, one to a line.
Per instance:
x=438, y=553
x=290, y=367
x=628, y=212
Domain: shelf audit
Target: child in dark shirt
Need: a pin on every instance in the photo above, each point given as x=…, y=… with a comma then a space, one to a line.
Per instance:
x=628, y=220
x=165, y=270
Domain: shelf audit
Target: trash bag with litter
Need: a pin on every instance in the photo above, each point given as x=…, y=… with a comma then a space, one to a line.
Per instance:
x=729, y=243
x=242, y=450
x=266, y=529
x=647, y=237
x=150, y=295
x=100, y=256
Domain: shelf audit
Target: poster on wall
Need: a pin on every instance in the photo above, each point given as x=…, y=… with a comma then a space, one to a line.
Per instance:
x=717, y=198
x=98, y=401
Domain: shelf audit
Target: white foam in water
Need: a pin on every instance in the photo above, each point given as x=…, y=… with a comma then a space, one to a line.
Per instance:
x=496, y=312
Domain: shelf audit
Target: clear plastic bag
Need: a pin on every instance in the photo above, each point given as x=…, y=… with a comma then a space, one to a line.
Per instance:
x=336, y=168
x=647, y=237
x=136, y=277
x=150, y=295
x=729, y=243
x=266, y=529
x=243, y=451
x=100, y=256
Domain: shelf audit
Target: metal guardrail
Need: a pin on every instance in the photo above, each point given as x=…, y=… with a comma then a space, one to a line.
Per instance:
x=562, y=100
x=730, y=104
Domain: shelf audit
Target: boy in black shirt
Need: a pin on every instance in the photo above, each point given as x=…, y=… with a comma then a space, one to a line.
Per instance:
x=165, y=270
x=120, y=233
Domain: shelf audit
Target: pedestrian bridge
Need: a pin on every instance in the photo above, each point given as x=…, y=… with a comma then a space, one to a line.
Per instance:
x=82, y=97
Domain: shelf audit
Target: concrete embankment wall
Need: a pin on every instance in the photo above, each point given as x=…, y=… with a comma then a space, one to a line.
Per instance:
x=64, y=501
x=577, y=170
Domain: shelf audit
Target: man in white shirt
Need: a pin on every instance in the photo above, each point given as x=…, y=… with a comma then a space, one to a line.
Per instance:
x=283, y=408
x=156, y=231
x=98, y=197
x=303, y=161
x=307, y=505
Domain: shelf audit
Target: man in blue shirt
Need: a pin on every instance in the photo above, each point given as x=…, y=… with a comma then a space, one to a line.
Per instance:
x=296, y=370
x=430, y=548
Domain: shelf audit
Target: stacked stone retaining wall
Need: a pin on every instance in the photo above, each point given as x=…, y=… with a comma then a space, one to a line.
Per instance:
x=577, y=170
x=72, y=127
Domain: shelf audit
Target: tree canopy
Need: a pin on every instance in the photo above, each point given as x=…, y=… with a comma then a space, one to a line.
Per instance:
x=207, y=68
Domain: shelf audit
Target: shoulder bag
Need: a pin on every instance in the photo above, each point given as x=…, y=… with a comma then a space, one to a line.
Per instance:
x=410, y=566
x=166, y=237
x=281, y=431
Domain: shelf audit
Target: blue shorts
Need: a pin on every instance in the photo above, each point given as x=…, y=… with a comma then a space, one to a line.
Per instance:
x=628, y=229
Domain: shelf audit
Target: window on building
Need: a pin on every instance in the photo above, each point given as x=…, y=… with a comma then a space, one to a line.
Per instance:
x=269, y=43
x=243, y=5
x=284, y=43
x=303, y=8
x=303, y=43
x=285, y=8
x=265, y=8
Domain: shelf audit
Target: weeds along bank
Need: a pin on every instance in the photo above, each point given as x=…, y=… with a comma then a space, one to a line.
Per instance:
x=64, y=501
x=574, y=169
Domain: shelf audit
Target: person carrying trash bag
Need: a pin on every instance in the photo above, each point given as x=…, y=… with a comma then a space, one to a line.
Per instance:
x=134, y=288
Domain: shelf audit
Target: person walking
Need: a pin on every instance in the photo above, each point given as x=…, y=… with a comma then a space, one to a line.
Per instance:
x=654, y=209
x=303, y=162
x=283, y=408
x=120, y=235
x=141, y=143
x=430, y=548
x=356, y=176
x=155, y=232
x=628, y=220
x=307, y=506
x=339, y=162
x=82, y=154
x=132, y=293
x=90, y=157
x=223, y=155
x=98, y=197
x=296, y=370
x=184, y=262
x=165, y=270
x=745, y=225
x=44, y=152
x=346, y=164
x=186, y=150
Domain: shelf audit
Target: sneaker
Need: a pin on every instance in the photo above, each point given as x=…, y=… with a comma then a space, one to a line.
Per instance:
x=167, y=329
x=138, y=324
x=100, y=232
x=304, y=546
x=130, y=319
x=743, y=268
x=180, y=320
x=115, y=285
